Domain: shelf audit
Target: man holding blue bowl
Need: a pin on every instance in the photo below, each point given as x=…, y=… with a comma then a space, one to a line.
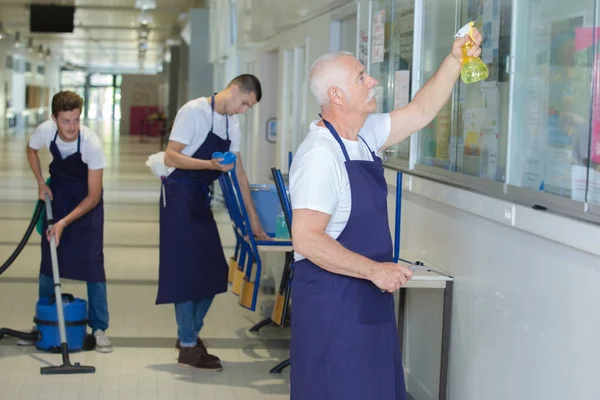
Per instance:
x=193, y=268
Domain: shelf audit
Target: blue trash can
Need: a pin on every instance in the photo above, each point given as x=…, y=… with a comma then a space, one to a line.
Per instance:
x=266, y=202
x=46, y=320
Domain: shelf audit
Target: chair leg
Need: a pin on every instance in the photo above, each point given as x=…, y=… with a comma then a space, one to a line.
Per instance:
x=279, y=367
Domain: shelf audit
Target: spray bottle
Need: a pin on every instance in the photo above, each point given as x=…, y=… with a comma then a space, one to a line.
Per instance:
x=473, y=68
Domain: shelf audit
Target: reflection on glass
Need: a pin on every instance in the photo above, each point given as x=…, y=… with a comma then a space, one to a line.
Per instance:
x=552, y=98
x=391, y=60
x=469, y=135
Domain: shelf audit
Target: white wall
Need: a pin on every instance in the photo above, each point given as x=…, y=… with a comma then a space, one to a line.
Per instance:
x=263, y=152
x=524, y=319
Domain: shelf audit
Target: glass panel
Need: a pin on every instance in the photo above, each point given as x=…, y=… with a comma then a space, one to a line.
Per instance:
x=550, y=144
x=100, y=103
x=101, y=80
x=118, y=103
x=593, y=183
x=391, y=59
x=402, y=63
x=119, y=80
x=469, y=135
x=380, y=53
x=72, y=78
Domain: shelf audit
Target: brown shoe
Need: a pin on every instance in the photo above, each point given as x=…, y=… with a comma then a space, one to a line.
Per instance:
x=198, y=357
x=198, y=343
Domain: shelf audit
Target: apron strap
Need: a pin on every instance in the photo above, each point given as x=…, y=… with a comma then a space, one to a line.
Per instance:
x=212, y=122
x=339, y=139
x=227, y=126
x=212, y=106
x=366, y=144
x=336, y=136
x=78, y=140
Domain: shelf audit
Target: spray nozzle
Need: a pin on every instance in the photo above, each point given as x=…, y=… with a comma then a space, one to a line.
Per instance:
x=467, y=29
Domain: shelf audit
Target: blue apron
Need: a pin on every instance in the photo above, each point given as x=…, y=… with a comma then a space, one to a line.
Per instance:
x=192, y=263
x=80, y=251
x=345, y=343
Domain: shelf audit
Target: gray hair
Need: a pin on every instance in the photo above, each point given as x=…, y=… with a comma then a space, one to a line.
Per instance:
x=324, y=74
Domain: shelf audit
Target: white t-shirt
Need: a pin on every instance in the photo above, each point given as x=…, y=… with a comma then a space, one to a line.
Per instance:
x=92, y=153
x=318, y=176
x=193, y=122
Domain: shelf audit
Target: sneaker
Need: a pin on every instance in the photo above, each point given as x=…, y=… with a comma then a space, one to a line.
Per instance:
x=102, y=343
x=25, y=342
x=197, y=357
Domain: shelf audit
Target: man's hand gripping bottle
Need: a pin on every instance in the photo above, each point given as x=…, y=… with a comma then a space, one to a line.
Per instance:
x=473, y=68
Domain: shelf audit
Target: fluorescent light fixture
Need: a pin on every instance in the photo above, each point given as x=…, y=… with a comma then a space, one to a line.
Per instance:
x=145, y=4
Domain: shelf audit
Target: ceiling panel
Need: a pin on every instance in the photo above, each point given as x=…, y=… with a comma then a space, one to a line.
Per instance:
x=106, y=31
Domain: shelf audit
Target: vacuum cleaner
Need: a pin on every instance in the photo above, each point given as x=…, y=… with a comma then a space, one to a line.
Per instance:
x=51, y=312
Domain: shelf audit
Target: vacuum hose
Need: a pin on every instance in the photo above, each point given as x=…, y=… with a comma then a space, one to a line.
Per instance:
x=36, y=215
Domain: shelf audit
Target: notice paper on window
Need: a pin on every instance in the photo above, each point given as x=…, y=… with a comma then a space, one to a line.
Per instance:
x=378, y=37
x=401, y=88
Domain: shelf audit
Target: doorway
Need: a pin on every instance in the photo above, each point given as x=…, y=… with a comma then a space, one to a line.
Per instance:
x=343, y=34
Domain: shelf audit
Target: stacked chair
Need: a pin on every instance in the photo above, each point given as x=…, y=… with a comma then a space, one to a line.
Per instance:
x=245, y=266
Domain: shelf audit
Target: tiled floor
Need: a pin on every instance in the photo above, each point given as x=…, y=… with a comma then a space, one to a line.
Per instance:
x=143, y=364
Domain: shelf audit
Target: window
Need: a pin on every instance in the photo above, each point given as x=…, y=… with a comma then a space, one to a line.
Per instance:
x=551, y=129
x=530, y=132
x=72, y=78
x=101, y=80
x=469, y=135
x=391, y=60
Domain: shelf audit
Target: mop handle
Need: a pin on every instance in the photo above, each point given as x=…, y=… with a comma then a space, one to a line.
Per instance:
x=55, y=274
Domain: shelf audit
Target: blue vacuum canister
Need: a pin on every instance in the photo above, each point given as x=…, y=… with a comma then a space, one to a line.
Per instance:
x=46, y=320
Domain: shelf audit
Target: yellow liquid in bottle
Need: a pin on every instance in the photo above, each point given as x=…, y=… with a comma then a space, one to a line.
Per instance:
x=473, y=68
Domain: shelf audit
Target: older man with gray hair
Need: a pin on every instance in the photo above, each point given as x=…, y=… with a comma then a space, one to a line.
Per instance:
x=344, y=337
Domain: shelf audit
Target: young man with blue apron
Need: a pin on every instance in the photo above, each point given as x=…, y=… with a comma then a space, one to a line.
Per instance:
x=193, y=268
x=345, y=344
x=75, y=188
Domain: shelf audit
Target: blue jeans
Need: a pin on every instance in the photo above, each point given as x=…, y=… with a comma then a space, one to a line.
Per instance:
x=190, y=319
x=97, y=304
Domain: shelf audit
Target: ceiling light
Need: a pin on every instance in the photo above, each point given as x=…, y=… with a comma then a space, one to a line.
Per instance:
x=145, y=19
x=145, y=4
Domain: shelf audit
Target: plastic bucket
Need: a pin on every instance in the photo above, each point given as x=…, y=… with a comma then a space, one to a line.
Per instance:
x=266, y=202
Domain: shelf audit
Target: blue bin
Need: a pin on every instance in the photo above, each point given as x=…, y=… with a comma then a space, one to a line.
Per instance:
x=266, y=202
x=46, y=320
